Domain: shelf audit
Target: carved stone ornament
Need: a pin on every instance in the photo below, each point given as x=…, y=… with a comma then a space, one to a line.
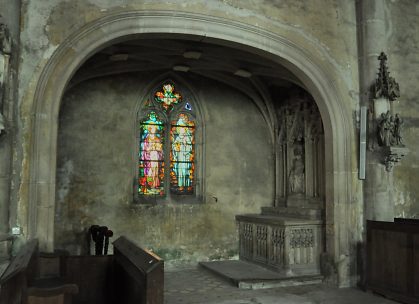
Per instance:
x=393, y=155
x=389, y=127
x=2, y=125
x=385, y=86
x=389, y=130
x=302, y=238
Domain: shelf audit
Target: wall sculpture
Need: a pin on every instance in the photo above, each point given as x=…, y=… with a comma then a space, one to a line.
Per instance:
x=301, y=152
x=389, y=126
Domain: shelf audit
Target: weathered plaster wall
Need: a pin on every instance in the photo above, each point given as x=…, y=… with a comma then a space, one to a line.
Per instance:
x=404, y=66
x=325, y=28
x=95, y=171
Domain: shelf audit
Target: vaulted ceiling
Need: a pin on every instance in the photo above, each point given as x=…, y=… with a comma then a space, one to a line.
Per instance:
x=191, y=56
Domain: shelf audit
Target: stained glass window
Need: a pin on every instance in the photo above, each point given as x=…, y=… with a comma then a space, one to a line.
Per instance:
x=167, y=171
x=151, y=156
x=182, y=154
x=168, y=97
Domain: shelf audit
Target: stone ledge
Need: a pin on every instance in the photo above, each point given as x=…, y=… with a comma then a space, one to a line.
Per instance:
x=295, y=212
x=277, y=220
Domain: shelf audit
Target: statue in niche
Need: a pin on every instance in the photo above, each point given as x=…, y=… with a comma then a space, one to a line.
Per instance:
x=296, y=177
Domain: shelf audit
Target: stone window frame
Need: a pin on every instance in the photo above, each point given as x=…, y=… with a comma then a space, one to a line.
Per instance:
x=187, y=96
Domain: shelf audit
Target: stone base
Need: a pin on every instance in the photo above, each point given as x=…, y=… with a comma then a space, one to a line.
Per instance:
x=246, y=275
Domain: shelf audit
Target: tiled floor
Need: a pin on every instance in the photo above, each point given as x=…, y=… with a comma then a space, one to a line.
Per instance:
x=198, y=286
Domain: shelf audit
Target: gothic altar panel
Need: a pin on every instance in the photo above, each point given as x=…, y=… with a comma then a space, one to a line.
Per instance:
x=284, y=244
x=288, y=236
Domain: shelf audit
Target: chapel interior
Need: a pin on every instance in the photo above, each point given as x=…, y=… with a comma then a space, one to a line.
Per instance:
x=139, y=139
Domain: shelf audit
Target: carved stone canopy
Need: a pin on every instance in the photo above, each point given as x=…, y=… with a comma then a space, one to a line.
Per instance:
x=385, y=86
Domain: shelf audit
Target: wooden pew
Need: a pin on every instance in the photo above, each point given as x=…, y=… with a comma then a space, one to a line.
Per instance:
x=131, y=275
x=393, y=259
x=20, y=283
x=94, y=277
x=20, y=272
x=139, y=274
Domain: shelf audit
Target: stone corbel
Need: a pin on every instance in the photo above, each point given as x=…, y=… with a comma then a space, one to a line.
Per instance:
x=393, y=155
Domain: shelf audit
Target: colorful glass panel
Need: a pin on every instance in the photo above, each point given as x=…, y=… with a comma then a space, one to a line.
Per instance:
x=168, y=97
x=182, y=155
x=151, y=156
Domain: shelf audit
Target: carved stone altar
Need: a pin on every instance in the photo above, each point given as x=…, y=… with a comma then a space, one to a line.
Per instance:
x=288, y=236
x=282, y=243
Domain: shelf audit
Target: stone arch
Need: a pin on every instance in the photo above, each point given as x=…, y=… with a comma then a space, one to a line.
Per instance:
x=308, y=65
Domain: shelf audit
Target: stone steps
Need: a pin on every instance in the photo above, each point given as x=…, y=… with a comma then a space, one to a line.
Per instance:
x=247, y=275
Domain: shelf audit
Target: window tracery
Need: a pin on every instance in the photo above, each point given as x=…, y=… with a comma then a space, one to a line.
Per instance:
x=166, y=146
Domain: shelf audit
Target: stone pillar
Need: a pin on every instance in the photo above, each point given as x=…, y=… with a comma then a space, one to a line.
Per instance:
x=378, y=185
x=10, y=18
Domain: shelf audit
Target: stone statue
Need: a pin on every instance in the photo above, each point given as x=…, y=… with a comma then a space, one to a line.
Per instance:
x=5, y=50
x=5, y=40
x=381, y=129
x=296, y=177
x=384, y=129
x=2, y=125
x=389, y=130
x=398, y=126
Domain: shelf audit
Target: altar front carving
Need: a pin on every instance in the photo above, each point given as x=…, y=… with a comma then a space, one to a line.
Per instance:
x=288, y=236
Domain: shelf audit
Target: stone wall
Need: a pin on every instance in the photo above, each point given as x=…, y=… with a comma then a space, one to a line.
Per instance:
x=403, y=35
x=323, y=31
x=326, y=29
x=95, y=171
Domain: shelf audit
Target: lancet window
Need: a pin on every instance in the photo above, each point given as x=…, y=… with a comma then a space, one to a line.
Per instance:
x=167, y=147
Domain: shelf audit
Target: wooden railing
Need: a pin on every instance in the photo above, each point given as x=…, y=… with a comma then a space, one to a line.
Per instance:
x=393, y=259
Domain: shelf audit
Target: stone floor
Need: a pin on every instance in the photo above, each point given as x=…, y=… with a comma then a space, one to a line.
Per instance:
x=199, y=286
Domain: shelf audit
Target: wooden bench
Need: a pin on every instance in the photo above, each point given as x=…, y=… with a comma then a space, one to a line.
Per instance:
x=393, y=259
x=131, y=275
x=20, y=282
